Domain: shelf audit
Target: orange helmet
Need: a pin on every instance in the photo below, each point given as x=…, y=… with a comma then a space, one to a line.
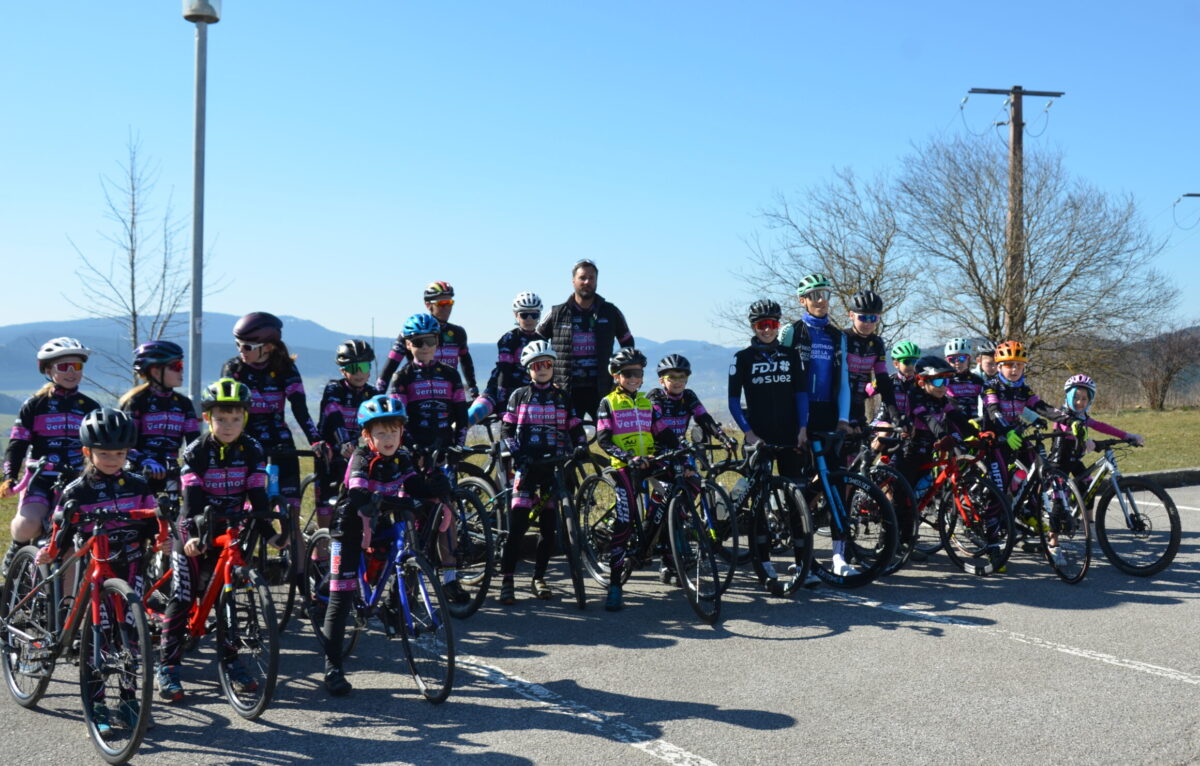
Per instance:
x=1011, y=351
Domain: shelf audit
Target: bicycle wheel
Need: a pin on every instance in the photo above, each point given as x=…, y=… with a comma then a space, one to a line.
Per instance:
x=474, y=550
x=310, y=507
x=316, y=578
x=904, y=503
x=596, y=504
x=693, y=557
x=485, y=485
x=720, y=516
x=572, y=547
x=869, y=535
x=279, y=567
x=976, y=523
x=1065, y=531
x=114, y=673
x=1140, y=532
x=246, y=626
x=425, y=630
x=28, y=631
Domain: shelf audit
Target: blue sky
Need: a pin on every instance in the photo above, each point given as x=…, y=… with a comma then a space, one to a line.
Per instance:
x=358, y=150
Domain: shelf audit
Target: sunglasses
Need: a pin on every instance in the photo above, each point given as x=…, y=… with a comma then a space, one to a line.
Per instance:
x=868, y=318
x=248, y=346
x=817, y=295
x=443, y=303
x=175, y=365
x=907, y=361
x=541, y=364
x=69, y=366
x=959, y=358
x=767, y=324
x=632, y=373
x=676, y=377
x=354, y=367
x=530, y=315
x=428, y=340
x=936, y=382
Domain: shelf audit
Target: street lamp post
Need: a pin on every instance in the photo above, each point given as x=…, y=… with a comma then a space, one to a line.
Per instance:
x=201, y=13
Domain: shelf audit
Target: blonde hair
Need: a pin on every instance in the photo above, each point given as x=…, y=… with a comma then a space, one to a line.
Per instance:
x=132, y=394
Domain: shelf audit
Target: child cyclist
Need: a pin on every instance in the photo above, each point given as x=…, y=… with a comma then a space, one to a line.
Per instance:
x=509, y=374
x=106, y=436
x=47, y=426
x=337, y=421
x=165, y=419
x=452, y=345
x=773, y=379
x=1080, y=392
x=865, y=358
x=538, y=423
x=628, y=429
x=965, y=387
x=378, y=468
x=224, y=469
x=904, y=359
x=264, y=365
x=433, y=397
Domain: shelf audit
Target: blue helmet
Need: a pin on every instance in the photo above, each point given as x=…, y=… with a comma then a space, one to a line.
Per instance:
x=381, y=407
x=155, y=352
x=421, y=324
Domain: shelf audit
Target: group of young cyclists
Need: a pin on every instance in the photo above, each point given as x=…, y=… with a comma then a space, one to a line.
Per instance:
x=793, y=380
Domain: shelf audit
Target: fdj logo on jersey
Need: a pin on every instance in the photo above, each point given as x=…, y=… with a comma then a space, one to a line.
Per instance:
x=771, y=372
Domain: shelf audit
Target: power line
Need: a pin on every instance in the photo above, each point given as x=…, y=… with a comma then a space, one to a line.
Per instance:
x=1175, y=215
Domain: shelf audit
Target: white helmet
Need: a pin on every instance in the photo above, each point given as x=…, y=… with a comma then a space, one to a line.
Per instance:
x=959, y=346
x=527, y=301
x=536, y=349
x=60, y=347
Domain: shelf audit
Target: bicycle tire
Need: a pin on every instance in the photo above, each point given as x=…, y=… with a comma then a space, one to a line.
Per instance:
x=904, y=503
x=719, y=514
x=464, y=471
x=872, y=532
x=310, y=520
x=982, y=543
x=280, y=568
x=475, y=551
x=595, y=503
x=117, y=650
x=693, y=557
x=27, y=667
x=426, y=633
x=246, y=619
x=572, y=547
x=316, y=575
x=1122, y=540
x=1065, y=518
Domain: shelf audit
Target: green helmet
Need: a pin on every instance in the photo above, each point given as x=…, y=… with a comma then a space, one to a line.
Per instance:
x=226, y=392
x=812, y=282
x=906, y=350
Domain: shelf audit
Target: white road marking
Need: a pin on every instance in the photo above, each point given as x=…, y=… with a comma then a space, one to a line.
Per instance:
x=1141, y=667
x=605, y=725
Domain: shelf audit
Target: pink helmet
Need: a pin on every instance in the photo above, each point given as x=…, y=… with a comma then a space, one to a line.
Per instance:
x=1080, y=381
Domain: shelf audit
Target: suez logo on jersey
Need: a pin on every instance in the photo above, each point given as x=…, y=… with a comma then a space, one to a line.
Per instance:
x=775, y=371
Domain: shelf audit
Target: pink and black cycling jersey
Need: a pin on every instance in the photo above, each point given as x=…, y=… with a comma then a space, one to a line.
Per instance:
x=451, y=351
x=1069, y=448
x=966, y=388
x=48, y=426
x=166, y=421
x=677, y=411
x=510, y=374
x=436, y=403
x=933, y=418
x=337, y=422
x=223, y=475
x=369, y=473
x=95, y=491
x=270, y=392
x=866, y=364
x=539, y=423
x=1004, y=402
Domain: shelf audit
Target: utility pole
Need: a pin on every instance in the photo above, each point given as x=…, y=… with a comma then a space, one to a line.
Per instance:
x=1014, y=232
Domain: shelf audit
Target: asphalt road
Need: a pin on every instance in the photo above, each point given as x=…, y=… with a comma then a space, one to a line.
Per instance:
x=932, y=666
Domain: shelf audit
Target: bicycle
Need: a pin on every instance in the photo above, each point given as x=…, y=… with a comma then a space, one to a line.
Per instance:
x=246, y=625
x=102, y=627
x=1144, y=538
x=280, y=567
x=876, y=467
x=400, y=587
x=689, y=538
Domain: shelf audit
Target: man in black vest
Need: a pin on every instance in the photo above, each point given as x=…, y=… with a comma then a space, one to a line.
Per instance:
x=581, y=331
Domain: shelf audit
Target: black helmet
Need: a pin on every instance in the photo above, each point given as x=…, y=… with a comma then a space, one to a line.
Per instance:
x=626, y=357
x=866, y=302
x=226, y=392
x=674, y=362
x=352, y=351
x=155, y=352
x=107, y=428
x=764, y=309
x=930, y=366
x=258, y=327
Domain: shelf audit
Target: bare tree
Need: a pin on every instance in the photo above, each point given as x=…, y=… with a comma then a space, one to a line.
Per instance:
x=1089, y=255
x=1161, y=360
x=843, y=228
x=146, y=279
